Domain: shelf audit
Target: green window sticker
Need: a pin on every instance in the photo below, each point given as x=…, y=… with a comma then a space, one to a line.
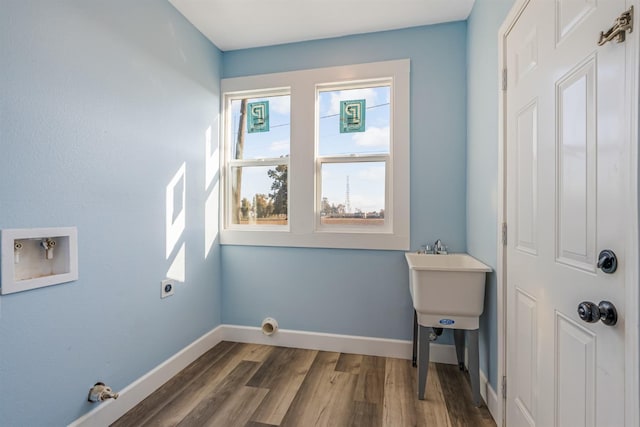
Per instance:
x=258, y=116
x=352, y=115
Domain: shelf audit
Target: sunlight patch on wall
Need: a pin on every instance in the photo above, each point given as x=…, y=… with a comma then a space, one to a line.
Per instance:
x=211, y=220
x=177, y=270
x=212, y=178
x=175, y=209
x=212, y=157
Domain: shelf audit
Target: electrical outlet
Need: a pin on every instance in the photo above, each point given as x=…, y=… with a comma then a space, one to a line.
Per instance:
x=167, y=288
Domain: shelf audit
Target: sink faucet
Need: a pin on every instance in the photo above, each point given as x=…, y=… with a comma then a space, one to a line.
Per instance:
x=439, y=248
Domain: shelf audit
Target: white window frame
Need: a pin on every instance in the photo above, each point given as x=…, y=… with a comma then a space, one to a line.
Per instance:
x=304, y=228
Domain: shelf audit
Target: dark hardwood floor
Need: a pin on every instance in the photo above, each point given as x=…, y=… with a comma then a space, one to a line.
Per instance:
x=259, y=386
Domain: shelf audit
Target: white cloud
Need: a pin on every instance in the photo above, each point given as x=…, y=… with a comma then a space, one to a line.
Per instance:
x=372, y=137
x=372, y=174
x=367, y=204
x=368, y=94
x=280, y=104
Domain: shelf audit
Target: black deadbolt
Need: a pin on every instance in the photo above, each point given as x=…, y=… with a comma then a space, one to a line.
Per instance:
x=605, y=311
x=607, y=261
x=168, y=287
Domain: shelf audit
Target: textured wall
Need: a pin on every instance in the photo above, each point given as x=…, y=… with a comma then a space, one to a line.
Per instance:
x=482, y=161
x=100, y=105
x=363, y=292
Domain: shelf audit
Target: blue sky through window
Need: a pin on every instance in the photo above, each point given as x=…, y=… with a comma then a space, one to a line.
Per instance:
x=366, y=185
x=375, y=138
x=265, y=145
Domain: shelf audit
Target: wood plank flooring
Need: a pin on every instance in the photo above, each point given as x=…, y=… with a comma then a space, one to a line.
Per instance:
x=250, y=385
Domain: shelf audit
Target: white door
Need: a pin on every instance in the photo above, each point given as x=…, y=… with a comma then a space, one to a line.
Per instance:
x=567, y=186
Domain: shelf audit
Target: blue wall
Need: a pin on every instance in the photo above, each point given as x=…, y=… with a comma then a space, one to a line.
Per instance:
x=363, y=292
x=101, y=103
x=482, y=161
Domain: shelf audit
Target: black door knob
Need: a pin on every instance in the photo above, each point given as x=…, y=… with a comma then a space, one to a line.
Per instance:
x=589, y=312
x=607, y=261
x=605, y=311
x=608, y=313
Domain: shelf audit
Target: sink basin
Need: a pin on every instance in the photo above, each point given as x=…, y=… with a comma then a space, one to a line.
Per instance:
x=447, y=290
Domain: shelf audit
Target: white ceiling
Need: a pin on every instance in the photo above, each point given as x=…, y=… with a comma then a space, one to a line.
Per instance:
x=240, y=24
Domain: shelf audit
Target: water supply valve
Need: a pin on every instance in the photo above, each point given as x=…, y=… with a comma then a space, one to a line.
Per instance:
x=435, y=333
x=48, y=245
x=17, y=247
x=100, y=392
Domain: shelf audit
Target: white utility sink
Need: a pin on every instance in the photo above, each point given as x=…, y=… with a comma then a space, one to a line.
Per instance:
x=447, y=290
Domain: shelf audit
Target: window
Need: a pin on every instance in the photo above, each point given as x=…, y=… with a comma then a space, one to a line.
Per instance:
x=259, y=160
x=352, y=164
x=317, y=158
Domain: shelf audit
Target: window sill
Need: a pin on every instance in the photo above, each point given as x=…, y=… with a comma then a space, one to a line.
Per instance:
x=332, y=239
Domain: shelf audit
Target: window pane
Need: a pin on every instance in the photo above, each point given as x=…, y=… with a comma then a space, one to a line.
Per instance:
x=269, y=141
x=353, y=193
x=376, y=117
x=259, y=195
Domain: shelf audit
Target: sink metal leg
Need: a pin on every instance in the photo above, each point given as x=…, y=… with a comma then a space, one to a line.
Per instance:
x=458, y=338
x=414, y=358
x=423, y=360
x=474, y=366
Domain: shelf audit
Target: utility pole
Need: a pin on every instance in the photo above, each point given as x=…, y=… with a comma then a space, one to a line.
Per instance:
x=237, y=192
x=348, y=201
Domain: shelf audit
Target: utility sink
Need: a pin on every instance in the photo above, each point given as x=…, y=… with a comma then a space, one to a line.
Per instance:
x=447, y=290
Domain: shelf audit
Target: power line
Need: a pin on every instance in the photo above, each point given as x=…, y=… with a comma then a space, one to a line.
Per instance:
x=332, y=115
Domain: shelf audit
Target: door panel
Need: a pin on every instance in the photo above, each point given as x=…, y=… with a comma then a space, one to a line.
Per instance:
x=527, y=54
x=569, y=14
x=525, y=361
x=527, y=146
x=576, y=236
x=575, y=373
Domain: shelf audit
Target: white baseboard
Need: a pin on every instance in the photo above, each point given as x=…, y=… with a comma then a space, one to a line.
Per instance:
x=108, y=412
x=443, y=353
x=487, y=393
x=384, y=347
x=491, y=399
